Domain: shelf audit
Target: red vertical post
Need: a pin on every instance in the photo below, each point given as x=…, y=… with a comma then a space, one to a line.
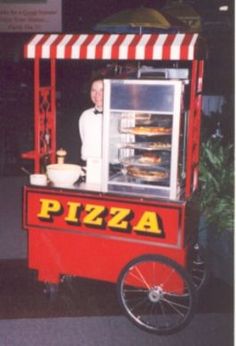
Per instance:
x=190, y=141
x=53, y=110
x=193, y=142
x=198, y=105
x=36, y=116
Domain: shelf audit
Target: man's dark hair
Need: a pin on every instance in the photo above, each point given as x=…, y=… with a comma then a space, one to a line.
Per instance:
x=95, y=78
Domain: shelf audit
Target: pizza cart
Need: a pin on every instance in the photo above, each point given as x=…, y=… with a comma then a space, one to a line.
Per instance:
x=129, y=221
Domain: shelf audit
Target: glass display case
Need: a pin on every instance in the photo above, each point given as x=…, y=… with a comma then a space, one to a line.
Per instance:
x=144, y=133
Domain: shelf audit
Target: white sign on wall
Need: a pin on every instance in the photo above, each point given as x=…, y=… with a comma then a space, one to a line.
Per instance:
x=30, y=16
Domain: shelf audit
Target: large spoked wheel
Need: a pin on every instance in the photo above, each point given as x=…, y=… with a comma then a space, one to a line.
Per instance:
x=199, y=267
x=157, y=294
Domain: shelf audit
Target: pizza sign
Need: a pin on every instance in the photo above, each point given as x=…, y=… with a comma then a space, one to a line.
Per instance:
x=103, y=215
x=99, y=216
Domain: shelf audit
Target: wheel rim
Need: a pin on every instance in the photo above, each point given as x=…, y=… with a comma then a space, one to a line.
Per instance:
x=156, y=295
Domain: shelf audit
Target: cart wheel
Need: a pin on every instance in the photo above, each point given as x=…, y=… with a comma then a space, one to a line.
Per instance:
x=157, y=294
x=199, y=267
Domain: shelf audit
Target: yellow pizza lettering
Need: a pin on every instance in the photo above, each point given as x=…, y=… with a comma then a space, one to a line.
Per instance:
x=148, y=223
x=93, y=216
x=118, y=220
x=48, y=207
x=72, y=212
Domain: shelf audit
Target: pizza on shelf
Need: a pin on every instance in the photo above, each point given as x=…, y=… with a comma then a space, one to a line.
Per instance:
x=159, y=145
x=149, y=159
x=144, y=174
x=150, y=145
x=148, y=130
x=145, y=160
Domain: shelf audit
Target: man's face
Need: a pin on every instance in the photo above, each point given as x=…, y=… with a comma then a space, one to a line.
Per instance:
x=96, y=94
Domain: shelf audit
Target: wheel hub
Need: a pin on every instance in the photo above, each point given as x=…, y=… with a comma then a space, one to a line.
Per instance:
x=155, y=294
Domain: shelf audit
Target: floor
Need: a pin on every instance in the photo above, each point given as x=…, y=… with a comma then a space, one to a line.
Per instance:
x=22, y=296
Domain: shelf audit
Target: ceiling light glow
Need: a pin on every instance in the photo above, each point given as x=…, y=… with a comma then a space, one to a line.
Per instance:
x=224, y=8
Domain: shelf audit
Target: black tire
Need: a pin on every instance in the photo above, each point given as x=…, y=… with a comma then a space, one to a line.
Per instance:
x=199, y=267
x=156, y=294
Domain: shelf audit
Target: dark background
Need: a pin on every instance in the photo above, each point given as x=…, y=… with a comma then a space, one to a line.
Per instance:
x=22, y=295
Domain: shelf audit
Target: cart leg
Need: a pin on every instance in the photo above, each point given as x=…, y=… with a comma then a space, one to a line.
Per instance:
x=51, y=291
x=67, y=279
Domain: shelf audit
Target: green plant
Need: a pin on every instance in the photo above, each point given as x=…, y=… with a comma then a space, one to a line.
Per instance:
x=217, y=184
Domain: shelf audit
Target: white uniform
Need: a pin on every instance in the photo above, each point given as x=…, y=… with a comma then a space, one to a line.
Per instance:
x=90, y=129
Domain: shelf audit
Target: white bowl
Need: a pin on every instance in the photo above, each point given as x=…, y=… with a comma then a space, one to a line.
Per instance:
x=38, y=179
x=64, y=174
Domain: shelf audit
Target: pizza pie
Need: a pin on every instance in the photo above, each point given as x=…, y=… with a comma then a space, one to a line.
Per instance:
x=150, y=145
x=148, y=130
x=146, y=159
x=149, y=159
x=152, y=175
x=159, y=145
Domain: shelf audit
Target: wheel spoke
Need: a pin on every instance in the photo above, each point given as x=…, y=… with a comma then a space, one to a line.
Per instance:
x=137, y=305
x=175, y=305
x=198, y=270
x=140, y=277
x=154, y=274
x=164, y=314
x=135, y=290
x=172, y=271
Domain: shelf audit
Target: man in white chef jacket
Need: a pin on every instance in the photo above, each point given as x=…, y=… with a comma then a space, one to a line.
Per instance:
x=90, y=129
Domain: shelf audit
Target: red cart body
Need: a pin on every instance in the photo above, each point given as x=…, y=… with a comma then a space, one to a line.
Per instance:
x=95, y=235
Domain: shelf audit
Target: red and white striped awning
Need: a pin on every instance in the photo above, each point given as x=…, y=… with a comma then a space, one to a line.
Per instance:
x=181, y=46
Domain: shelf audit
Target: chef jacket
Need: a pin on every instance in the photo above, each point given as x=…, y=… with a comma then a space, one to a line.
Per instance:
x=90, y=129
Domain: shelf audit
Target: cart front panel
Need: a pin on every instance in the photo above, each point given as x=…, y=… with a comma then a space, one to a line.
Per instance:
x=94, y=235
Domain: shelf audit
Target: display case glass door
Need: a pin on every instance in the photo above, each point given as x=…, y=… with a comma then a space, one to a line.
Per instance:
x=143, y=138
